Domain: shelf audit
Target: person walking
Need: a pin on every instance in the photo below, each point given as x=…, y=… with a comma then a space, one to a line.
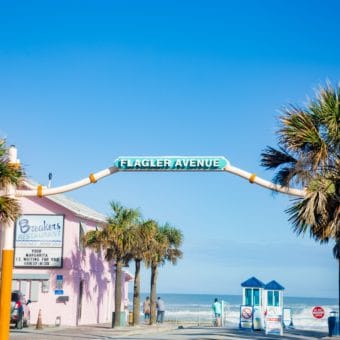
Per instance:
x=146, y=309
x=160, y=310
x=217, y=310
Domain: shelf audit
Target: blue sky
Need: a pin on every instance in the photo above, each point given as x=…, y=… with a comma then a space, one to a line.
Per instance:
x=83, y=82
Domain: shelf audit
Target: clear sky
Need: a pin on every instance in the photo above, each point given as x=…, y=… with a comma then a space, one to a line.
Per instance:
x=83, y=82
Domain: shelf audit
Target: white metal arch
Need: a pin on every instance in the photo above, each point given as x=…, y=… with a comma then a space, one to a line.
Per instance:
x=39, y=190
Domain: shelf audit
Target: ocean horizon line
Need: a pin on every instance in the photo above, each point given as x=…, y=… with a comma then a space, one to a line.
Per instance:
x=238, y=295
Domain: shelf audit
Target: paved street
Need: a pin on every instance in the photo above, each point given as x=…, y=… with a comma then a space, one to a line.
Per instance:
x=165, y=331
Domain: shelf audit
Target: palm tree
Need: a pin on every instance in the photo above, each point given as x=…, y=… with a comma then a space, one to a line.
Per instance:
x=117, y=239
x=9, y=174
x=164, y=247
x=144, y=234
x=308, y=155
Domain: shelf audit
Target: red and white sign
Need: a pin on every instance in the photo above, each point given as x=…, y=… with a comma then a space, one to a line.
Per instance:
x=246, y=313
x=274, y=324
x=318, y=312
x=246, y=317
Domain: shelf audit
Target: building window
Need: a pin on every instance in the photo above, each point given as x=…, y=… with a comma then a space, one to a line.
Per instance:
x=252, y=297
x=276, y=298
x=256, y=297
x=273, y=298
x=45, y=286
x=248, y=296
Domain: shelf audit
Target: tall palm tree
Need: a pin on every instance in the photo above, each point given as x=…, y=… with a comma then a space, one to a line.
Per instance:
x=164, y=247
x=9, y=174
x=117, y=239
x=144, y=232
x=308, y=155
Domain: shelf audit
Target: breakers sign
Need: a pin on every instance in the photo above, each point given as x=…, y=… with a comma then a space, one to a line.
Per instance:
x=171, y=163
x=39, y=241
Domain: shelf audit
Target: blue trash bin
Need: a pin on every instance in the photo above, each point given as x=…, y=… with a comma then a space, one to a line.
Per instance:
x=333, y=324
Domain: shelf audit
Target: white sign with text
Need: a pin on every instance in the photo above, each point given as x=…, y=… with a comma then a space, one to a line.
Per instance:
x=39, y=241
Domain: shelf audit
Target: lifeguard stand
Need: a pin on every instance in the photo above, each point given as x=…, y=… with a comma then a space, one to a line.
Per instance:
x=274, y=296
x=273, y=301
x=252, y=300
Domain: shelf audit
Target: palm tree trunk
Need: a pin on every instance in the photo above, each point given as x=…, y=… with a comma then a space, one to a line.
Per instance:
x=153, y=293
x=118, y=292
x=136, y=294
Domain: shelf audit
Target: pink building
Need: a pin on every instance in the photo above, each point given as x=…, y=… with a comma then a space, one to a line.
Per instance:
x=70, y=284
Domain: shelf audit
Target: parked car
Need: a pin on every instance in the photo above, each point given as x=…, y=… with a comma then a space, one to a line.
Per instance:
x=20, y=312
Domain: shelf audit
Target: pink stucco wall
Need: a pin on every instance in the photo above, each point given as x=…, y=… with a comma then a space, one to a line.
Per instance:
x=97, y=302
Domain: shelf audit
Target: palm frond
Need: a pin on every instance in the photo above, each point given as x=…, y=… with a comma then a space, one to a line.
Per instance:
x=309, y=157
x=336, y=249
x=10, y=209
x=326, y=109
x=273, y=158
x=290, y=171
x=317, y=213
x=9, y=173
x=301, y=135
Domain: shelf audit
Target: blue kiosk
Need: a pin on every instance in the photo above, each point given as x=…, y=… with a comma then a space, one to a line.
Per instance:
x=274, y=308
x=252, y=308
x=274, y=294
x=262, y=306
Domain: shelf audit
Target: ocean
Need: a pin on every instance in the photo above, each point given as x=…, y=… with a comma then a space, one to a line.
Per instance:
x=196, y=309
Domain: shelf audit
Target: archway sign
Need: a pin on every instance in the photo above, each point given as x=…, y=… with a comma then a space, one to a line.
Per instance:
x=147, y=163
x=161, y=164
x=172, y=163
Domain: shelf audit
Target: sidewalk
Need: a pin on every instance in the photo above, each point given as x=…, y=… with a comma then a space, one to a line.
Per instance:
x=96, y=331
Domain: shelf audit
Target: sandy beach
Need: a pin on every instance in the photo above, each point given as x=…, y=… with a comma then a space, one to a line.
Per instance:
x=164, y=331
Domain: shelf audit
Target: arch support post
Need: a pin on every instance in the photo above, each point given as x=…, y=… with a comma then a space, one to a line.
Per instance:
x=7, y=259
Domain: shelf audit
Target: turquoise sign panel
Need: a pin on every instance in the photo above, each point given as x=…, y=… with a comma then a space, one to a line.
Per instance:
x=171, y=163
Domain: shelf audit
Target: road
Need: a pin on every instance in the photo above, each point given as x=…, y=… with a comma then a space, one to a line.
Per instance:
x=157, y=332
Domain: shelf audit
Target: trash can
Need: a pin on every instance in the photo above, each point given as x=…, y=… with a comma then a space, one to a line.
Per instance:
x=122, y=319
x=333, y=324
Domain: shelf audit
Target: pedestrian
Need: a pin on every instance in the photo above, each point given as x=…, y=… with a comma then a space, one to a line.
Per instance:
x=160, y=310
x=217, y=310
x=146, y=308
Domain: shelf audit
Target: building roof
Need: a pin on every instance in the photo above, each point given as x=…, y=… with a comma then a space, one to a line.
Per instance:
x=77, y=208
x=273, y=285
x=253, y=282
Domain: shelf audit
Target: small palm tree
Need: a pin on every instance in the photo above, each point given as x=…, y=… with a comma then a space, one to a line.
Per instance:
x=9, y=174
x=164, y=247
x=144, y=234
x=308, y=155
x=175, y=239
x=117, y=239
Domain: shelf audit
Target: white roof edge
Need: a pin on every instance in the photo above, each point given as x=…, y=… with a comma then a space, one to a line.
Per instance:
x=77, y=208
